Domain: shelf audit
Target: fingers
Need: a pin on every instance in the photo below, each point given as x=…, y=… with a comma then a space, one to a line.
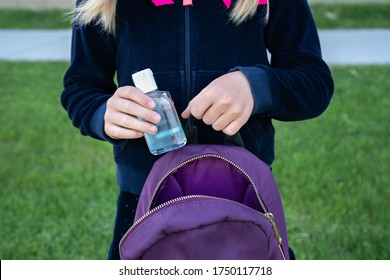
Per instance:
x=221, y=116
x=186, y=113
x=123, y=113
x=198, y=106
x=131, y=108
x=227, y=123
x=226, y=103
x=122, y=126
x=117, y=132
x=232, y=128
x=137, y=96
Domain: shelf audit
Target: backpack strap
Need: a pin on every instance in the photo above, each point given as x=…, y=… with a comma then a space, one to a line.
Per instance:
x=235, y=140
x=191, y=132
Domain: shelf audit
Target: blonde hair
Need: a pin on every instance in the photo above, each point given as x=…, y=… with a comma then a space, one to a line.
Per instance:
x=104, y=12
x=245, y=9
x=101, y=11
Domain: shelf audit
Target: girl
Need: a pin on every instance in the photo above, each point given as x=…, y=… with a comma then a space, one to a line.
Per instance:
x=212, y=57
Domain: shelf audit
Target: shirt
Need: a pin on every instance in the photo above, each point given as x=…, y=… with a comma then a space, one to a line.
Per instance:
x=187, y=47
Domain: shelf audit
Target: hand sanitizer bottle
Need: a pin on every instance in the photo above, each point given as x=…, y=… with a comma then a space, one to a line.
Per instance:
x=170, y=134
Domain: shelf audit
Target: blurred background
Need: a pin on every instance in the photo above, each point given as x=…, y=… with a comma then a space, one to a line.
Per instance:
x=57, y=188
x=37, y=4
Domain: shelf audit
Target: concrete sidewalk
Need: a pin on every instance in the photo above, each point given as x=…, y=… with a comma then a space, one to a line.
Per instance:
x=355, y=46
x=340, y=47
x=35, y=45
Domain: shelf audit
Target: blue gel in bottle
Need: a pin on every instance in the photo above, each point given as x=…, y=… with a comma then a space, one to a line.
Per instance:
x=170, y=134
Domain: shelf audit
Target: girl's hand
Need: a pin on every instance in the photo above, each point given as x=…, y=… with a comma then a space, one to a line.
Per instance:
x=123, y=108
x=226, y=103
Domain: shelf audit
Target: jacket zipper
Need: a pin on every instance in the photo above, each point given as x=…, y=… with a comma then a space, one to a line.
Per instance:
x=187, y=54
x=266, y=213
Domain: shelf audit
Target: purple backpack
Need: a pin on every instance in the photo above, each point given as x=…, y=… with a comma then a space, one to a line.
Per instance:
x=208, y=202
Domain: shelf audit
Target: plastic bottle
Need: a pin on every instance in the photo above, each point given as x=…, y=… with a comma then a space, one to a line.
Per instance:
x=170, y=134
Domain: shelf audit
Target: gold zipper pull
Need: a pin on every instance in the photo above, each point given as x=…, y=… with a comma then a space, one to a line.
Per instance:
x=271, y=218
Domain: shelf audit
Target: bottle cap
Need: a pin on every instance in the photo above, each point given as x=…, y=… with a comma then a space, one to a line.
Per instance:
x=144, y=80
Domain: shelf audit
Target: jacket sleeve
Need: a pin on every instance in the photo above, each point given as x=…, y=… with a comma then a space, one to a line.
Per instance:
x=89, y=80
x=297, y=84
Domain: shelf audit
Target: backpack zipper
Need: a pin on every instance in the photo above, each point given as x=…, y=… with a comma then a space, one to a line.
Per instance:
x=266, y=213
x=262, y=204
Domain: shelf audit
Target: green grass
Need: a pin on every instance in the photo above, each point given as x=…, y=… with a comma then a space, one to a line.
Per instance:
x=367, y=15
x=333, y=171
x=34, y=19
x=335, y=15
x=58, y=190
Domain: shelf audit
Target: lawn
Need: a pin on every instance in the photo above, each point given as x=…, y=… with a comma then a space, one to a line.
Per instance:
x=363, y=15
x=58, y=190
x=333, y=171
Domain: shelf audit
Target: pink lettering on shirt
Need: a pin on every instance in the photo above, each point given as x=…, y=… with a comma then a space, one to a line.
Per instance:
x=162, y=2
x=189, y=2
x=227, y=3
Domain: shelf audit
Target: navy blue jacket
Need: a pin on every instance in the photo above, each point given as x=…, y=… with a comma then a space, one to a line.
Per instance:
x=188, y=47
